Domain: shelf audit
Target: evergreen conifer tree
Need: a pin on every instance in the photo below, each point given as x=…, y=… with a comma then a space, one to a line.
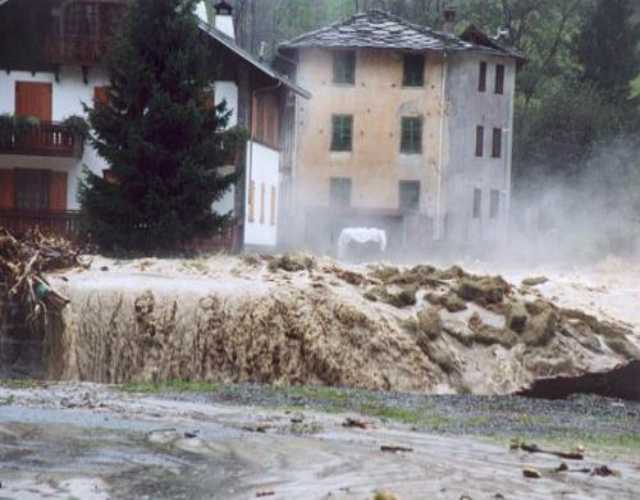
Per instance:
x=608, y=48
x=159, y=133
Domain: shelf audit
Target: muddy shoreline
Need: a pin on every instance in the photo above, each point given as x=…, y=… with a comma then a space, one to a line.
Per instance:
x=92, y=441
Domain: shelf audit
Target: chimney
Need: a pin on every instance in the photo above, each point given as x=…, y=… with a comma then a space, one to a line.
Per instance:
x=449, y=15
x=224, y=19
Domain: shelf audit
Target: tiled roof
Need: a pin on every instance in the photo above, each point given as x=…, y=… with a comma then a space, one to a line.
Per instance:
x=378, y=29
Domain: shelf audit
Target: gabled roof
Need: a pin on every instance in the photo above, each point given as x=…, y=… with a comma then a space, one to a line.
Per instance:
x=231, y=44
x=381, y=30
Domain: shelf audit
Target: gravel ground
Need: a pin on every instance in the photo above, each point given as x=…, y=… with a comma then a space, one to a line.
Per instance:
x=601, y=420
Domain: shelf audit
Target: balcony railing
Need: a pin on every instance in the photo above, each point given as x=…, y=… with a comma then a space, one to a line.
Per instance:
x=85, y=50
x=63, y=223
x=43, y=139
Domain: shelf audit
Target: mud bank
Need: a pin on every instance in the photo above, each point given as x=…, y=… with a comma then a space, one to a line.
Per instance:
x=299, y=320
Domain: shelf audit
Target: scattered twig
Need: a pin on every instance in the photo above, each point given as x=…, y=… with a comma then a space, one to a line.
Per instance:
x=395, y=449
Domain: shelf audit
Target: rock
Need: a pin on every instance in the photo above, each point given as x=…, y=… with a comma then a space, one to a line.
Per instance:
x=483, y=291
x=429, y=323
x=384, y=495
x=396, y=449
x=354, y=422
x=517, y=317
x=540, y=280
x=292, y=263
x=531, y=473
x=450, y=301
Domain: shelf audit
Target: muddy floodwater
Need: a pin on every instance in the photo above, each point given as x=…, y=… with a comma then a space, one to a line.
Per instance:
x=97, y=442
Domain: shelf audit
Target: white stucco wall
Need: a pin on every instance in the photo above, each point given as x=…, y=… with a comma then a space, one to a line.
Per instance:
x=263, y=166
x=228, y=91
x=68, y=95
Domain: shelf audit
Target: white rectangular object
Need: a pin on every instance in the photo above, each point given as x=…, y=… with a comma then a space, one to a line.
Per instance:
x=263, y=173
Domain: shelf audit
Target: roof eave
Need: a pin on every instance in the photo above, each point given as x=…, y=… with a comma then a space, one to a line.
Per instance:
x=235, y=48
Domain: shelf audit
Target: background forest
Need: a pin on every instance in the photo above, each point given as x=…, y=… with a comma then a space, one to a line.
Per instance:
x=576, y=137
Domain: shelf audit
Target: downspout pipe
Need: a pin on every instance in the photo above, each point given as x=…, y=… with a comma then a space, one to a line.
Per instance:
x=443, y=102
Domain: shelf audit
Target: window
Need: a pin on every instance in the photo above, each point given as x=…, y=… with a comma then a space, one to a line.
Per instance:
x=500, y=79
x=496, y=150
x=344, y=67
x=273, y=205
x=341, y=137
x=482, y=81
x=32, y=189
x=477, y=203
x=411, y=135
x=340, y=192
x=494, y=207
x=262, y=203
x=479, y=141
x=409, y=195
x=413, y=70
x=252, y=201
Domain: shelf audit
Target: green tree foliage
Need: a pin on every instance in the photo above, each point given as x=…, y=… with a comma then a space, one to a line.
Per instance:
x=607, y=48
x=162, y=141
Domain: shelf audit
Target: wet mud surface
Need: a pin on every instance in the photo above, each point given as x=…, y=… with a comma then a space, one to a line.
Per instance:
x=90, y=441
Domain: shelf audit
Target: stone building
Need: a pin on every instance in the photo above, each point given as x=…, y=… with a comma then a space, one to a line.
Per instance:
x=409, y=130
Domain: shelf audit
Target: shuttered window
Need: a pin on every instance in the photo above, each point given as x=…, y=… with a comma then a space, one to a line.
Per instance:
x=252, y=202
x=409, y=195
x=273, y=205
x=494, y=208
x=482, y=77
x=496, y=149
x=413, y=70
x=411, y=135
x=479, y=141
x=340, y=192
x=262, y=193
x=477, y=203
x=342, y=133
x=7, y=189
x=500, y=79
x=344, y=67
x=32, y=189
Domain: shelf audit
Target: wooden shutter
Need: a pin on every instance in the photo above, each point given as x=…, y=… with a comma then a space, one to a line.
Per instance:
x=262, y=203
x=34, y=99
x=273, y=205
x=252, y=194
x=7, y=189
x=58, y=191
x=100, y=95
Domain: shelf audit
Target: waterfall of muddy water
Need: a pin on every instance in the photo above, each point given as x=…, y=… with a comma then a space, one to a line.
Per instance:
x=227, y=319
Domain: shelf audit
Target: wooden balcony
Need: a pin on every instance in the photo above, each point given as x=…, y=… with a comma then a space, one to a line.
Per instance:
x=64, y=223
x=43, y=139
x=76, y=50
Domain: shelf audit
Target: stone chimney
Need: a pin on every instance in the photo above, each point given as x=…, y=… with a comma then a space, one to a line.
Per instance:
x=449, y=16
x=224, y=19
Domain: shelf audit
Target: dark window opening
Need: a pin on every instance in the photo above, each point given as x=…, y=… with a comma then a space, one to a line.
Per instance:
x=32, y=189
x=340, y=192
x=482, y=83
x=479, y=141
x=411, y=135
x=497, y=143
x=409, y=195
x=413, y=70
x=342, y=136
x=344, y=67
x=500, y=79
x=494, y=208
x=477, y=203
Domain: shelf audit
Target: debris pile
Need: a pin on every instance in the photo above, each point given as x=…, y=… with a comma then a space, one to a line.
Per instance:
x=23, y=264
x=297, y=319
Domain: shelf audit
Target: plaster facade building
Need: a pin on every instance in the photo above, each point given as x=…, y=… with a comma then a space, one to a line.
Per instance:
x=46, y=77
x=409, y=130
